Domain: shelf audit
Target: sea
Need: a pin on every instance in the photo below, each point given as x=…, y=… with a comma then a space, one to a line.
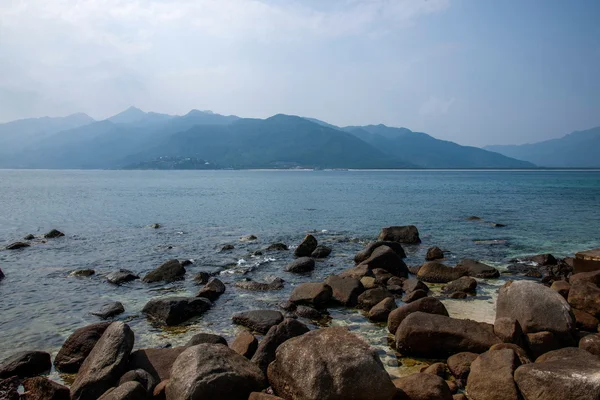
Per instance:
x=107, y=217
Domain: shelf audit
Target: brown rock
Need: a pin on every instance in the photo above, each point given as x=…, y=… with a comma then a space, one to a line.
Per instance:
x=429, y=305
x=436, y=272
x=463, y=284
x=144, y=378
x=301, y=265
x=434, y=253
x=366, y=253
x=422, y=386
x=458, y=295
x=438, y=369
x=509, y=331
x=385, y=258
x=40, y=388
x=126, y=391
x=200, y=338
x=213, y=289
x=316, y=294
x=460, y=364
x=345, y=291
x=78, y=346
x=263, y=396
x=381, y=311
x=170, y=271
x=157, y=362
x=542, y=342
x=369, y=298
x=308, y=245
x=412, y=284
x=521, y=354
x=357, y=272
x=160, y=390
x=591, y=277
x=478, y=269
x=245, y=344
x=276, y=336
x=491, y=376
x=585, y=296
x=414, y=296
x=25, y=364
x=562, y=287
x=401, y=234
x=591, y=343
x=585, y=321
x=258, y=320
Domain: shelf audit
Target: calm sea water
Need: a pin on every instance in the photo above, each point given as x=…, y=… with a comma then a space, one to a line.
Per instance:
x=106, y=216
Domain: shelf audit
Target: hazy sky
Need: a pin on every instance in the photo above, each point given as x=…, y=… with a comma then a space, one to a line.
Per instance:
x=472, y=71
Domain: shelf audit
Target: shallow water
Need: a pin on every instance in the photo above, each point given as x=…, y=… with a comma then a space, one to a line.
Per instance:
x=107, y=216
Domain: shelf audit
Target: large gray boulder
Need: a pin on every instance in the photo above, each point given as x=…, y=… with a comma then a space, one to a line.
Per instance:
x=436, y=272
x=78, y=346
x=402, y=234
x=491, y=376
x=213, y=371
x=175, y=310
x=329, y=363
x=170, y=271
x=385, y=258
x=276, y=336
x=537, y=308
x=437, y=336
x=429, y=305
x=106, y=363
x=560, y=375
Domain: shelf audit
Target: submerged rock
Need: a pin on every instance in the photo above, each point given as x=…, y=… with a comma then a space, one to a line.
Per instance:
x=83, y=272
x=213, y=289
x=434, y=253
x=17, y=246
x=366, y=253
x=170, y=271
x=175, y=310
x=78, y=346
x=308, y=245
x=29, y=237
x=248, y=238
x=1, y=275
x=25, y=364
x=300, y=265
x=401, y=234
x=227, y=247
x=53, y=234
x=277, y=247
x=478, y=269
x=110, y=310
x=334, y=363
x=321, y=252
x=121, y=276
x=258, y=320
x=275, y=284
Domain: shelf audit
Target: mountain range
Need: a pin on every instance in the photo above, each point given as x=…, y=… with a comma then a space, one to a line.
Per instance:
x=134, y=139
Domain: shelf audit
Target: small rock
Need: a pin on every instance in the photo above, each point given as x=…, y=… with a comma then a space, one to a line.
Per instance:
x=434, y=253
x=245, y=344
x=200, y=338
x=435, y=272
x=381, y=311
x=185, y=263
x=584, y=321
x=110, y=310
x=385, y=258
x=412, y=284
x=321, y=252
x=227, y=247
x=590, y=343
x=40, y=388
x=308, y=313
x=313, y=293
x=438, y=369
x=53, y=234
x=155, y=226
x=170, y=271
x=275, y=284
x=585, y=296
x=366, y=253
x=562, y=287
x=414, y=295
x=308, y=245
x=369, y=298
x=83, y=272
x=25, y=364
x=159, y=392
x=121, y=276
x=368, y=282
x=127, y=391
x=300, y=265
x=175, y=310
x=213, y=289
x=477, y=269
x=201, y=278
x=509, y=331
x=29, y=237
x=17, y=246
x=429, y=305
x=458, y=295
x=474, y=218
x=382, y=276
x=277, y=247
x=357, y=272
x=463, y=284
x=459, y=364
x=258, y=320
x=521, y=354
x=9, y=388
x=248, y=238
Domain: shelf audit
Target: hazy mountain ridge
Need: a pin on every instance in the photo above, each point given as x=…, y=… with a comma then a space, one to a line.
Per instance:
x=136, y=139
x=579, y=149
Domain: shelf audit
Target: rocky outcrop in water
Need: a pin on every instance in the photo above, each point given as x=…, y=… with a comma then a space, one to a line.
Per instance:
x=258, y=320
x=301, y=265
x=478, y=269
x=385, y=258
x=368, y=250
x=402, y=234
x=213, y=289
x=17, y=246
x=110, y=310
x=25, y=364
x=436, y=272
x=170, y=271
x=121, y=276
x=321, y=252
x=434, y=253
x=78, y=346
x=308, y=245
x=53, y=234
x=175, y=310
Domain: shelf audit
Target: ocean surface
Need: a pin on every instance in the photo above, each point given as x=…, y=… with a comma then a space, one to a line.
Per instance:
x=106, y=216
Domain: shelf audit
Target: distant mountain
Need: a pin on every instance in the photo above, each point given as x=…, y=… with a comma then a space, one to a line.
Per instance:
x=579, y=149
x=134, y=115
x=173, y=163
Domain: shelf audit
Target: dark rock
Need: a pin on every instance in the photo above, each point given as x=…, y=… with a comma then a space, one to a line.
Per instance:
x=227, y=247
x=9, y=388
x=585, y=296
x=275, y=284
x=258, y=320
x=540, y=259
x=121, y=276
x=302, y=264
x=435, y=272
x=463, y=284
x=25, y=364
x=83, y=272
x=395, y=290
x=144, y=378
x=385, y=258
x=110, y=310
x=519, y=351
x=105, y=364
x=434, y=253
x=357, y=272
x=562, y=287
x=397, y=281
x=453, y=386
x=17, y=246
x=414, y=295
x=381, y=311
x=276, y=336
x=155, y=226
x=414, y=269
x=438, y=369
x=245, y=344
x=371, y=297
x=435, y=336
x=175, y=310
x=39, y=388
x=459, y=396
x=308, y=313
x=542, y=342
x=412, y=284
x=458, y=295
x=477, y=269
x=200, y=338
x=491, y=376
x=321, y=252
x=29, y=237
x=584, y=321
x=334, y=363
x=312, y=293
x=170, y=271
x=211, y=371
x=345, y=291
x=185, y=263
x=213, y=289
x=201, y=278
x=591, y=343
x=591, y=277
x=474, y=218
x=53, y=234
x=248, y=238
x=1, y=275
x=381, y=276
x=157, y=362
x=459, y=364
x=78, y=346
x=422, y=386
x=308, y=245
x=429, y=305
x=401, y=234
x=263, y=396
x=277, y=247
x=366, y=253
x=126, y=391
x=556, y=377
x=537, y=308
x=509, y=331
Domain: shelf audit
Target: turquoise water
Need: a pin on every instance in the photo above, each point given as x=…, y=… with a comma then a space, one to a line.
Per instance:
x=106, y=216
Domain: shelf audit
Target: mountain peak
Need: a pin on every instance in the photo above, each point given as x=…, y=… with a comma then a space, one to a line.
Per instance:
x=132, y=114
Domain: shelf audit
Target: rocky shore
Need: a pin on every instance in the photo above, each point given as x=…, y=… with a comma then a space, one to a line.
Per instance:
x=543, y=344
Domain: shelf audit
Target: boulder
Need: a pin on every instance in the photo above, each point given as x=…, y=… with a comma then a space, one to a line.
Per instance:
x=436, y=272
x=29, y=237
x=434, y=253
x=213, y=289
x=227, y=247
x=562, y=287
x=105, y=364
x=308, y=313
x=357, y=272
x=584, y=321
x=369, y=298
x=25, y=364
x=366, y=253
x=590, y=343
x=175, y=310
x=200, y=338
x=585, y=296
x=459, y=364
x=537, y=308
x=308, y=245
x=121, y=276
x=591, y=277
x=245, y=344
x=344, y=291
x=201, y=278
x=213, y=371
x=519, y=351
x=540, y=259
x=17, y=246
x=412, y=284
x=53, y=234
x=276, y=336
x=110, y=310
x=435, y=336
x=157, y=362
x=300, y=265
x=263, y=396
x=382, y=276
x=381, y=311
x=274, y=284
x=335, y=365
x=556, y=377
x=40, y=388
x=438, y=369
x=458, y=295
x=170, y=271
x=368, y=282
x=509, y=331
x=82, y=272
x=429, y=305
x=401, y=234
x=542, y=342
x=491, y=376
x=414, y=296
x=126, y=391
x=144, y=378
x=321, y=252
x=277, y=247
x=463, y=284
x=477, y=269
x=313, y=293
x=258, y=320
x=385, y=258
x=422, y=386
x=9, y=388
x=78, y=346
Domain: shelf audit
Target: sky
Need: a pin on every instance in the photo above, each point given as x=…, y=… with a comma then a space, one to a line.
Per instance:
x=476, y=72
